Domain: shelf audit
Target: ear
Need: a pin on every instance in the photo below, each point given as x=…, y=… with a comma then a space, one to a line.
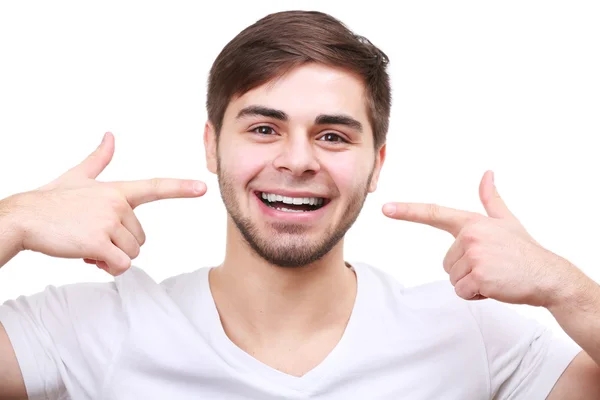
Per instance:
x=379, y=159
x=210, y=147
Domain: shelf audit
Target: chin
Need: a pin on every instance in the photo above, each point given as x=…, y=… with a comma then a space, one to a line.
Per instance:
x=288, y=245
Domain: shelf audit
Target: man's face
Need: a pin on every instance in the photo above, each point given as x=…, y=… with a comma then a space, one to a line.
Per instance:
x=295, y=161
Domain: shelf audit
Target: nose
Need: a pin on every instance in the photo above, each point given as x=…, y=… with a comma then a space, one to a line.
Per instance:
x=297, y=156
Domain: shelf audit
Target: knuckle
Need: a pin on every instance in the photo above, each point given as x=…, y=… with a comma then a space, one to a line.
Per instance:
x=142, y=238
x=446, y=265
x=478, y=274
x=135, y=251
x=473, y=255
x=120, y=263
x=96, y=247
x=111, y=191
x=460, y=291
x=470, y=235
x=107, y=225
x=112, y=224
x=453, y=279
x=124, y=264
x=118, y=203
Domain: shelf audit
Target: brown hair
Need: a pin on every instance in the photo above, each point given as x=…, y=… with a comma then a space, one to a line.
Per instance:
x=282, y=41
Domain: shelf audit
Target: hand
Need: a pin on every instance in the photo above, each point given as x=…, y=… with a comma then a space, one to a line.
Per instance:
x=76, y=216
x=492, y=256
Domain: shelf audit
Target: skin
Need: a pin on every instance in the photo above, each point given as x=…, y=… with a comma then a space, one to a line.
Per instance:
x=261, y=280
x=273, y=303
x=494, y=257
x=76, y=216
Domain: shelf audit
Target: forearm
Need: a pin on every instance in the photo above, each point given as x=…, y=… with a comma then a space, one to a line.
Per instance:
x=10, y=238
x=577, y=310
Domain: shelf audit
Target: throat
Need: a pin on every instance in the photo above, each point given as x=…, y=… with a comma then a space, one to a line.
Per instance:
x=291, y=338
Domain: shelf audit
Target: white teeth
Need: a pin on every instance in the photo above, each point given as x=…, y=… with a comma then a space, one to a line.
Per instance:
x=270, y=197
x=287, y=209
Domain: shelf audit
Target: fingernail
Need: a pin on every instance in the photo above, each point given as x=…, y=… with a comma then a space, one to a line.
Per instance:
x=389, y=209
x=493, y=178
x=199, y=187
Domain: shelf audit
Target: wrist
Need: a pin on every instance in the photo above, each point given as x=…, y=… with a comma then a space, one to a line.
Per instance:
x=574, y=290
x=11, y=229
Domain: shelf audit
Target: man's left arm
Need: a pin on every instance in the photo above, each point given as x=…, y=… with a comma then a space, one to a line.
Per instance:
x=576, y=307
x=494, y=257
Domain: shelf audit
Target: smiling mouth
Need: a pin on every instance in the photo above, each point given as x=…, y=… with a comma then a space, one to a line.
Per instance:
x=292, y=204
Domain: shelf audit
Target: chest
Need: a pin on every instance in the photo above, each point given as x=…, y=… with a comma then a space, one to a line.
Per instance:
x=380, y=368
x=294, y=356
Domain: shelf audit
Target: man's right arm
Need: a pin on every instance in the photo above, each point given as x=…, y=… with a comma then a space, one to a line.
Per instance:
x=76, y=217
x=10, y=237
x=12, y=385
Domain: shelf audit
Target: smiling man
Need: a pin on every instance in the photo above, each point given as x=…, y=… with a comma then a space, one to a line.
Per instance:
x=298, y=111
x=292, y=169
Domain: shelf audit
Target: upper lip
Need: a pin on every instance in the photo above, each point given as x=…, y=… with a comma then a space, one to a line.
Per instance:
x=288, y=193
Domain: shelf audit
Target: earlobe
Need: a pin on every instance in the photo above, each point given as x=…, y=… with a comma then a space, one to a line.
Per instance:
x=210, y=147
x=379, y=159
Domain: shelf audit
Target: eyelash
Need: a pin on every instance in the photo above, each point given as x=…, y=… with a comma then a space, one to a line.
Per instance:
x=341, y=139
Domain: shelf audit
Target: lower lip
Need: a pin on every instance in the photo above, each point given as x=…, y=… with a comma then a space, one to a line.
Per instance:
x=299, y=217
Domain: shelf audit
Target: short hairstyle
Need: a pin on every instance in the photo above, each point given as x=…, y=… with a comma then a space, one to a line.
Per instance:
x=285, y=40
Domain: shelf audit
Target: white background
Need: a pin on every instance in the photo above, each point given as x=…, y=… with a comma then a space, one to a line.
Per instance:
x=511, y=86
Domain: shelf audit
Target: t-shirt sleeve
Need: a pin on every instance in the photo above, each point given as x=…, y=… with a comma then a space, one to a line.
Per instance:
x=63, y=337
x=525, y=358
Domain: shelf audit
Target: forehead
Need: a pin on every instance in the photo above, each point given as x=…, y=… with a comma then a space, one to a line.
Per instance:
x=309, y=90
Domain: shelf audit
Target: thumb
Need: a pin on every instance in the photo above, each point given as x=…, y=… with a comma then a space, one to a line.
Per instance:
x=491, y=200
x=96, y=162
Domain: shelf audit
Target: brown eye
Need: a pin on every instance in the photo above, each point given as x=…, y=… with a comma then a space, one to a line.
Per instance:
x=332, y=137
x=263, y=130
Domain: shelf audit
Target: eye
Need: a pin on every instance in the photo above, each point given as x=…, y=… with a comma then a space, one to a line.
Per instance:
x=332, y=137
x=264, y=130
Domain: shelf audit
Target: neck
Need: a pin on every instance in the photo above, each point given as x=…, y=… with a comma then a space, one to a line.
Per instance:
x=264, y=300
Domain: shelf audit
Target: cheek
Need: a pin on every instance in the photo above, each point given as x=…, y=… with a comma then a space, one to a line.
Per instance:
x=241, y=162
x=349, y=172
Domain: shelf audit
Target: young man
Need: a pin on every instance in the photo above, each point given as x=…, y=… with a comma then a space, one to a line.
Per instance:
x=298, y=112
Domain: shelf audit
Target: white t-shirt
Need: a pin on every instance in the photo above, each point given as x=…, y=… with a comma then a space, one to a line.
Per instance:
x=136, y=339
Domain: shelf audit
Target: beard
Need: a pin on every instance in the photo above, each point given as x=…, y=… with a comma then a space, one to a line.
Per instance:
x=289, y=248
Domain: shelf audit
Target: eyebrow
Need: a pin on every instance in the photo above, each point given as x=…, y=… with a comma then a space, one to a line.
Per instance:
x=322, y=119
x=252, y=111
x=339, y=119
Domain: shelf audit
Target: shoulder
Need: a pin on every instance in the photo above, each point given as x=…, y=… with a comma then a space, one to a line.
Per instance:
x=413, y=313
x=93, y=304
x=186, y=281
x=78, y=325
x=137, y=283
x=70, y=304
x=429, y=296
x=494, y=321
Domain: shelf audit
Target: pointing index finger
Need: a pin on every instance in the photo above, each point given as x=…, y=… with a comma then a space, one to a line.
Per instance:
x=148, y=190
x=449, y=219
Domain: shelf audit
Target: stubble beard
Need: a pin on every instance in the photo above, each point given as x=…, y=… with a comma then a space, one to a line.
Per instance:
x=289, y=248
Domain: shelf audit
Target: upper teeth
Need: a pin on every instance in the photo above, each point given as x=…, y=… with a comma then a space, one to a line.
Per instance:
x=270, y=197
